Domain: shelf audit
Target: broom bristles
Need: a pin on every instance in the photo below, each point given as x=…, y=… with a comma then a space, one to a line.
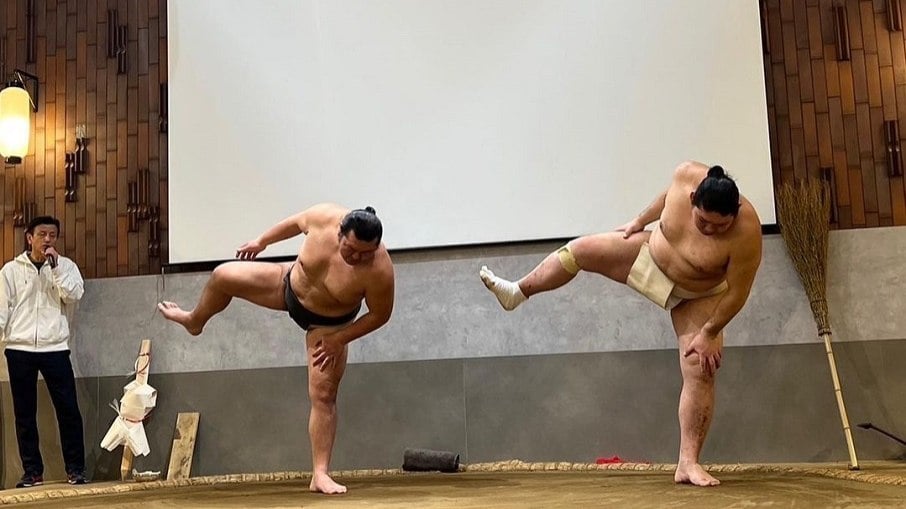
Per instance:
x=804, y=215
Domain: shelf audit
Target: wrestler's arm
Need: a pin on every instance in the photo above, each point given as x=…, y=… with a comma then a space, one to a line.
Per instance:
x=653, y=211
x=379, y=299
x=296, y=224
x=743, y=265
x=287, y=228
x=681, y=176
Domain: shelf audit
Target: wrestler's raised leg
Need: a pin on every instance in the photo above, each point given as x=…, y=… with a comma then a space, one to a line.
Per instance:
x=260, y=283
x=608, y=254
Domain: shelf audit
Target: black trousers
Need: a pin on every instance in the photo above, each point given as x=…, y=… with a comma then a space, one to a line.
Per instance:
x=23, y=380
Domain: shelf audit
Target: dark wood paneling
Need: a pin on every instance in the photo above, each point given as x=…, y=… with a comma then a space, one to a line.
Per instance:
x=80, y=85
x=830, y=113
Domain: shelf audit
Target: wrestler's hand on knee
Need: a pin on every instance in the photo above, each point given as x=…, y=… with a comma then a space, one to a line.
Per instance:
x=708, y=349
x=250, y=250
x=327, y=351
x=631, y=227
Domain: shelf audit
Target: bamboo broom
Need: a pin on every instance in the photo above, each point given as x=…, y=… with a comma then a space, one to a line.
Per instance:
x=804, y=222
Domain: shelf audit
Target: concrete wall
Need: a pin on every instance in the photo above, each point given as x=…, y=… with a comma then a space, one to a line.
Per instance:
x=587, y=371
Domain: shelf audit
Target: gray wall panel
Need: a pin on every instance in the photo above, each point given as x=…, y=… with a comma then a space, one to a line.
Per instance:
x=774, y=403
x=443, y=312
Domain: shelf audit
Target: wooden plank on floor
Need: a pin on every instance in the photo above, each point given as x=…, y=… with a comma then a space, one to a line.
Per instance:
x=183, y=446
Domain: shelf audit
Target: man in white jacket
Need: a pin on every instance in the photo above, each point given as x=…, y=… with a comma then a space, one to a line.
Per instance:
x=36, y=290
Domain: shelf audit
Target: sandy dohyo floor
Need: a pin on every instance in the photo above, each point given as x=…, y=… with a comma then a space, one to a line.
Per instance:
x=876, y=485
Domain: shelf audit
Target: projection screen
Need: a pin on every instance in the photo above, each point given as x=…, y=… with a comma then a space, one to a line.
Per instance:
x=461, y=121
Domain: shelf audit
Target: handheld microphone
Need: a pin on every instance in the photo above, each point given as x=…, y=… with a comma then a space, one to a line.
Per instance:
x=50, y=258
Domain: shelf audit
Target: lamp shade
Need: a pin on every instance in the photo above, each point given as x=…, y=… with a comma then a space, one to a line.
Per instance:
x=15, y=123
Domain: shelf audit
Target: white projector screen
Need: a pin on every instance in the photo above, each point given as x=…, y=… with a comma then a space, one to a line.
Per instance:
x=460, y=121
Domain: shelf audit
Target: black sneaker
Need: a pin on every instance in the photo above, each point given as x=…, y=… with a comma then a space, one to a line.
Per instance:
x=29, y=480
x=76, y=478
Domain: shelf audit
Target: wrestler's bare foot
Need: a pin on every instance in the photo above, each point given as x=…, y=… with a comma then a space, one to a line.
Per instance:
x=507, y=292
x=174, y=313
x=322, y=483
x=693, y=473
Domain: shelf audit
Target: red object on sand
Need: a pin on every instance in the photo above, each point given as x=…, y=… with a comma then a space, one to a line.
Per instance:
x=605, y=461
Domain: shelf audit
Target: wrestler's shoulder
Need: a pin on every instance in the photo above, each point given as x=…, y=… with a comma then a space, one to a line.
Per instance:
x=325, y=213
x=748, y=222
x=691, y=169
x=382, y=266
x=329, y=209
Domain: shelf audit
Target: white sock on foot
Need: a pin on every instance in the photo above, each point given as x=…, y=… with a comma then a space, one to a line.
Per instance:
x=507, y=292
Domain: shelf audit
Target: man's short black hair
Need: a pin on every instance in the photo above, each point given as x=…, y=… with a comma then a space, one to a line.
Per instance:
x=717, y=193
x=364, y=223
x=40, y=220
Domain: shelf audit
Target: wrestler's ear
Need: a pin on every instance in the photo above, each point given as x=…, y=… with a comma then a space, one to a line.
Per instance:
x=692, y=197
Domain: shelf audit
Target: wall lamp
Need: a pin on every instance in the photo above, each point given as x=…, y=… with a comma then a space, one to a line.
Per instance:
x=16, y=106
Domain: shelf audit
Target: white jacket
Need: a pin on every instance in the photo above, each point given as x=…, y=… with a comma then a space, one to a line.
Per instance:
x=34, y=305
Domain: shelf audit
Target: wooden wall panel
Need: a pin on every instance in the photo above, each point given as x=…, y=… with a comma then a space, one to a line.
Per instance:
x=80, y=84
x=825, y=113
